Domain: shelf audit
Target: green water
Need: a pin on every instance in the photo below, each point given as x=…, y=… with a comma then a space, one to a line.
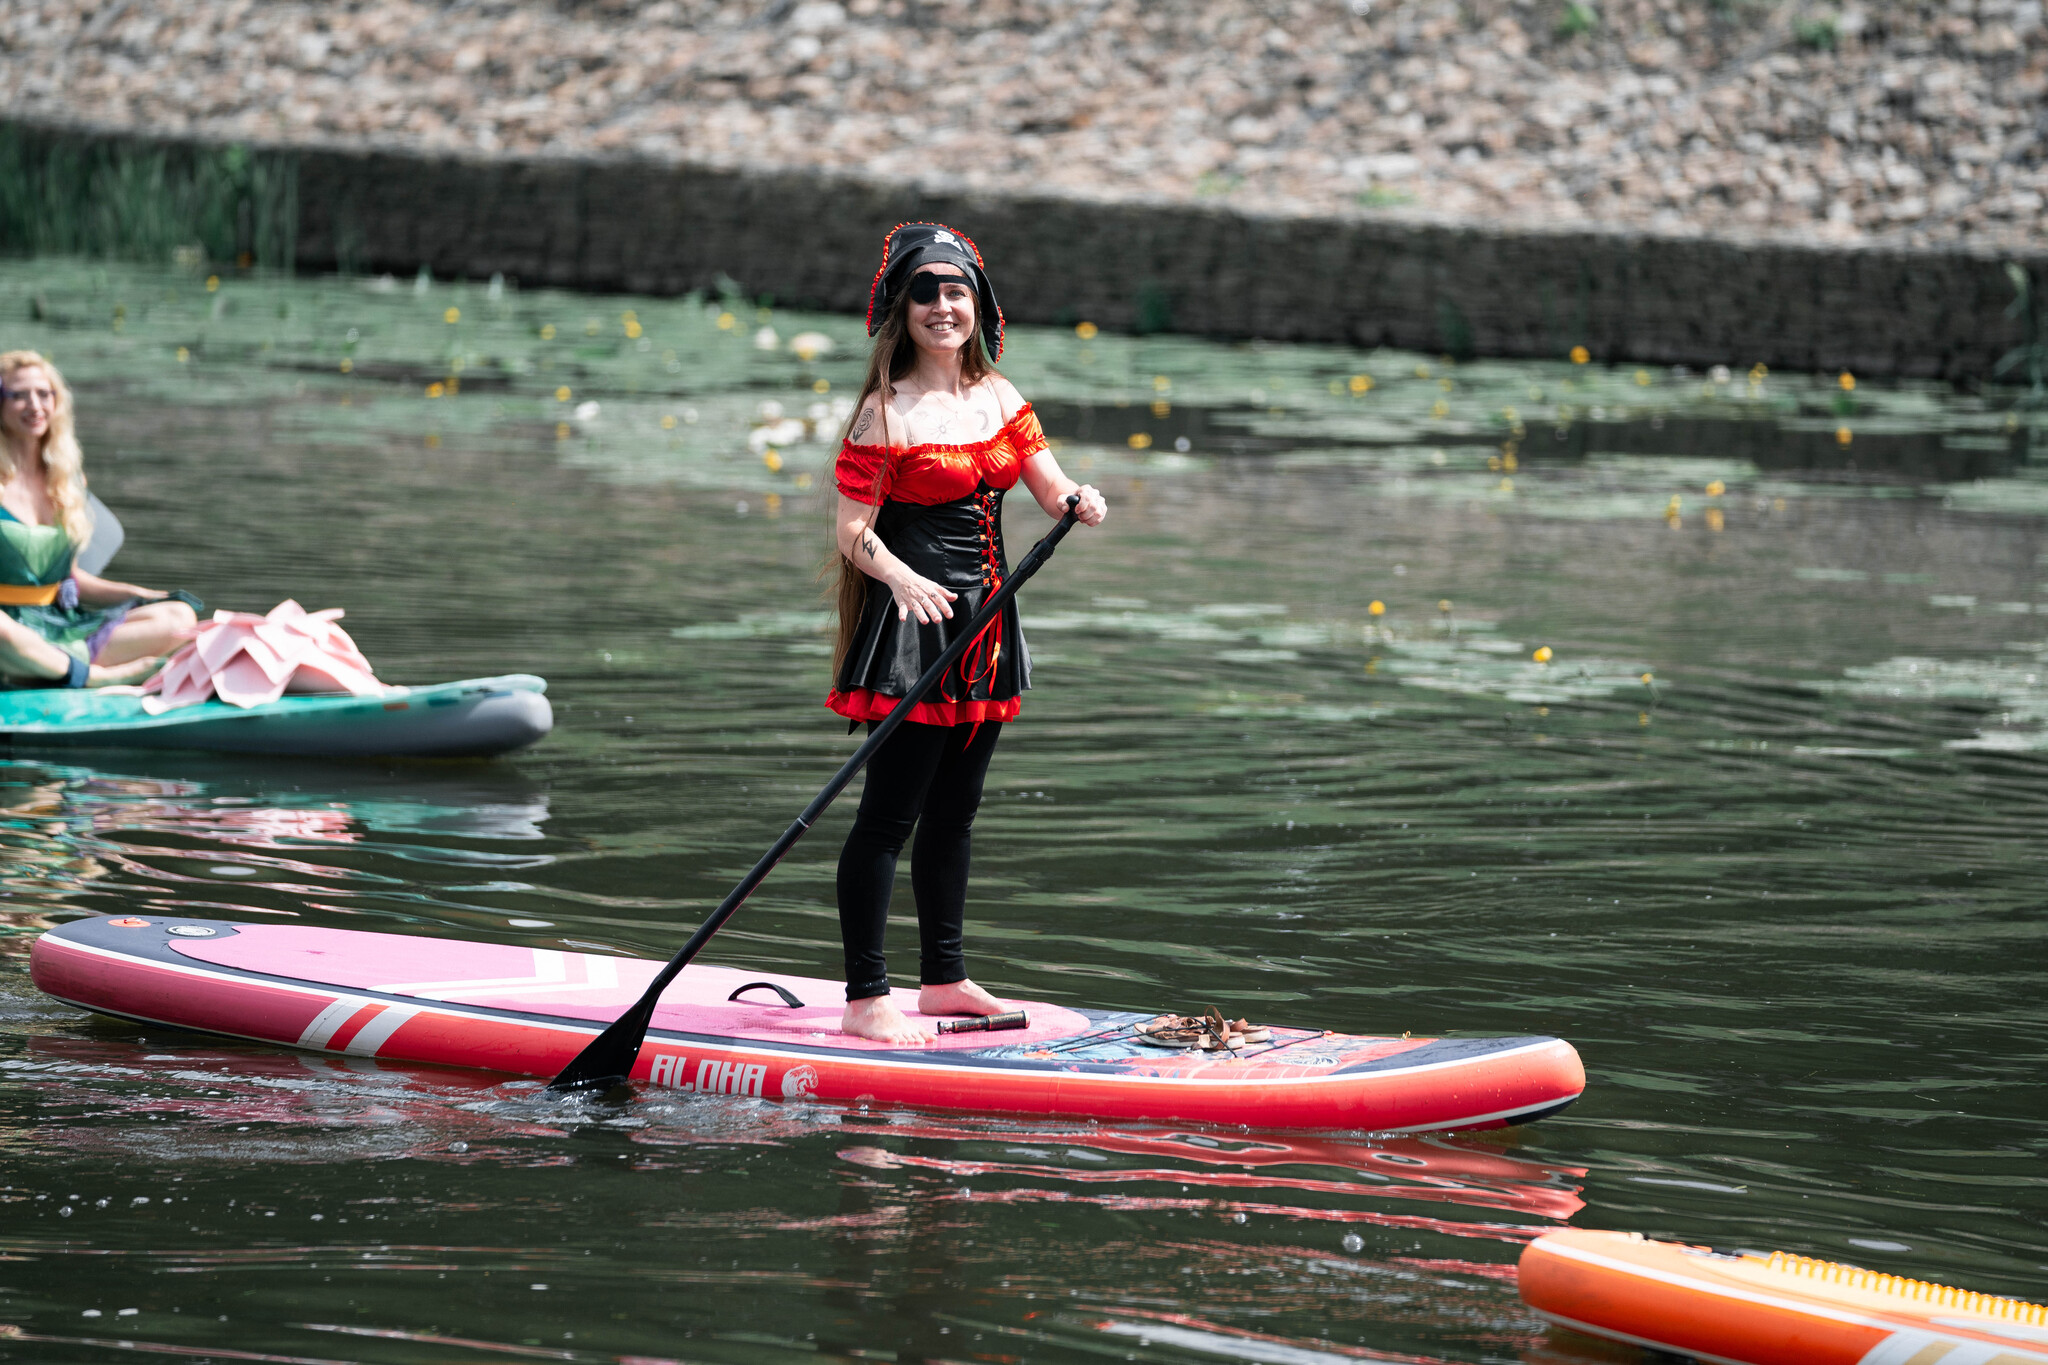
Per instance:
x=1784, y=895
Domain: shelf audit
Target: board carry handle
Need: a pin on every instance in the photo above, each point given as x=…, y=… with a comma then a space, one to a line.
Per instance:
x=607, y=1060
x=788, y=996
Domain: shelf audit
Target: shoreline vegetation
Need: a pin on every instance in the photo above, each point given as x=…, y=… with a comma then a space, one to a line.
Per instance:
x=1899, y=122
x=1968, y=314
x=1813, y=189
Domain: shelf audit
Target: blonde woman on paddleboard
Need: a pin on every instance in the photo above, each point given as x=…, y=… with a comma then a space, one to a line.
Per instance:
x=61, y=626
x=937, y=439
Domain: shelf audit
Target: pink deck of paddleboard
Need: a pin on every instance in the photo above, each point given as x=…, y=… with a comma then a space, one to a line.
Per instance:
x=531, y=1010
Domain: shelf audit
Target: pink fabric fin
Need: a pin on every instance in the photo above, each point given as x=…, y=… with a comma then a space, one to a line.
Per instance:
x=248, y=660
x=242, y=683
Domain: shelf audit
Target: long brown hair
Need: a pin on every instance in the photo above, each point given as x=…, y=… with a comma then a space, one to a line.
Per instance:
x=63, y=462
x=893, y=356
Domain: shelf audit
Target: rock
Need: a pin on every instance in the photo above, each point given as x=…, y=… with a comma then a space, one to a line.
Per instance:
x=816, y=16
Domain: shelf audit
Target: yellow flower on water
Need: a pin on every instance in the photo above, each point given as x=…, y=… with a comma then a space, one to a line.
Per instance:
x=633, y=331
x=212, y=283
x=1758, y=371
x=1643, y=378
x=773, y=502
x=1716, y=489
x=452, y=316
x=1161, y=383
x=1580, y=355
x=1161, y=408
x=1085, y=330
x=1715, y=520
x=668, y=422
x=1508, y=460
x=1446, y=384
x=547, y=331
x=1361, y=383
x=1422, y=371
x=433, y=440
x=1507, y=485
x=1847, y=381
x=184, y=356
x=1843, y=436
x=803, y=480
x=821, y=386
x=1442, y=409
x=1542, y=655
x=347, y=366
x=434, y=389
x=562, y=394
x=726, y=322
x=1377, y=608
x=1443, y=604
x=561, y=431
x=1139, y=440
x=1493, y=463
x=773, y=459
x=1648, y=678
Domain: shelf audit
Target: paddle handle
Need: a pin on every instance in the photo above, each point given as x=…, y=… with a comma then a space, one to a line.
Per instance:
x=609, y=1057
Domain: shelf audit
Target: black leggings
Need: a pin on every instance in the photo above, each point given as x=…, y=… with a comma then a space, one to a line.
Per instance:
x=929, y=776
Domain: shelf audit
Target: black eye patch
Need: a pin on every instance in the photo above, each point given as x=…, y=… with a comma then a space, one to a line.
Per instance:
x=925, y=288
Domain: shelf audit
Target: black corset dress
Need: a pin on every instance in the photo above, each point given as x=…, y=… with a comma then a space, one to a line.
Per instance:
x=959, y=545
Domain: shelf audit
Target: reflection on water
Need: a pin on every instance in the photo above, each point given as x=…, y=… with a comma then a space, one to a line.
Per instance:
x=447, y=1147
x=184, y=844
x=1697, y=723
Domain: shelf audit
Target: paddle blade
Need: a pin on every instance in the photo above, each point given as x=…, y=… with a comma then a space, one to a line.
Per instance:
x=608, y=1058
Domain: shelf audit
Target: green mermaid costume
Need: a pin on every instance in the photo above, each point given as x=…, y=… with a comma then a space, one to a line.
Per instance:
x=40, y=557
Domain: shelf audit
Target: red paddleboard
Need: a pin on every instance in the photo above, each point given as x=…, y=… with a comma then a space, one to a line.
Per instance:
x=531, y=1010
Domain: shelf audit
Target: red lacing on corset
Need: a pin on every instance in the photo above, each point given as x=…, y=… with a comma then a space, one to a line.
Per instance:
x=982, y=656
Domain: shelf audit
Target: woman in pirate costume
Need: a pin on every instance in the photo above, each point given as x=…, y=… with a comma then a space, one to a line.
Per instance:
x=937, y=440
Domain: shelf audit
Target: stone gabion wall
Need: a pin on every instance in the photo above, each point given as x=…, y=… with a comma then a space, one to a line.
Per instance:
x=813, y=238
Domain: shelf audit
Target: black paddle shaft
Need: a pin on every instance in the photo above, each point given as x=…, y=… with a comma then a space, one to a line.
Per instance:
x=608, y=1059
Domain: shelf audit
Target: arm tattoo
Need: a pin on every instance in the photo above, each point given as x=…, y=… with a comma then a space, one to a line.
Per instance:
x=872, y=546
x=860, y=428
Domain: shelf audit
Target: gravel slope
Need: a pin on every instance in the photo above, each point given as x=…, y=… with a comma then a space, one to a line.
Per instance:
x=1905, y=121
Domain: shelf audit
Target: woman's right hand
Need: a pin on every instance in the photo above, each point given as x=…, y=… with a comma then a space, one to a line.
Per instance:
x=916, y=594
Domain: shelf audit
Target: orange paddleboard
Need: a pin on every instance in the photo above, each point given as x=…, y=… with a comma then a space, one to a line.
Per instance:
x=1744, y=1308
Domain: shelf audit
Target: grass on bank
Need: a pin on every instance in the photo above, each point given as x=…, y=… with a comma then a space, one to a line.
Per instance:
x=75, y=195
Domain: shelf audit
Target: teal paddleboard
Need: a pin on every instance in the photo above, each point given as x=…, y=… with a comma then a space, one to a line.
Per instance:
x=477, y=718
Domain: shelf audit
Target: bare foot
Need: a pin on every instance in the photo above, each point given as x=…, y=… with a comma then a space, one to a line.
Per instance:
x=958, y=997
x=118, y=675
x=878, y=1018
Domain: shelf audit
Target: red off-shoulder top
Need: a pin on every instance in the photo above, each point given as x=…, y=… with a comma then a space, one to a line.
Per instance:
x=928, y=475
x=932, y=474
